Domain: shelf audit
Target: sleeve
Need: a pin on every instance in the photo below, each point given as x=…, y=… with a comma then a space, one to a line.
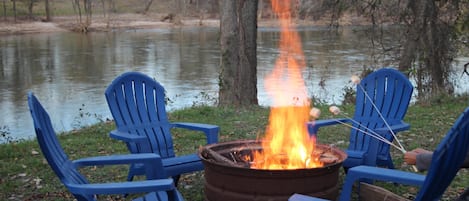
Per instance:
x=423, y=161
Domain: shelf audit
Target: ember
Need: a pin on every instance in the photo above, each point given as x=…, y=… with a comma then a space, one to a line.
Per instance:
x=240, y=154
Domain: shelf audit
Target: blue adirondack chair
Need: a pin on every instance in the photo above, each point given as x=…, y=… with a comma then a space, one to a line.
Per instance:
x=391, y=92
x=446, y=161
x=158, y=186
x=137, y=104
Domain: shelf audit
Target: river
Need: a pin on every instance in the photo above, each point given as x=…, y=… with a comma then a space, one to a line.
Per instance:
x=69, y=72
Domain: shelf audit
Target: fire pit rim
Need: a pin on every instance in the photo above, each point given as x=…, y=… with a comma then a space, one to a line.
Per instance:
x=341, y=155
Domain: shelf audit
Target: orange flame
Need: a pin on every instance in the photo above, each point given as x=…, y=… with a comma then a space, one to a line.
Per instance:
x=287, y=144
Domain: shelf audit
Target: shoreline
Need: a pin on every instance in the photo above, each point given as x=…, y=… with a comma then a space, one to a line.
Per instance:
x=136, y=21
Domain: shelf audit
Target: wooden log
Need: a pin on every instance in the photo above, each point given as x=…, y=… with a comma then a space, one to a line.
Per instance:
x=370, y=192
x=210, y=154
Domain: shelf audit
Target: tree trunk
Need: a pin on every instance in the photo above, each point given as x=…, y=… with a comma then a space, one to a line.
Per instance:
x=147, y=7
x=47, y=8
x=103, y=5
x=238, y=76
x=88, y=11
x=4, y=10
x=77, y=8
x=30, y=9
x=427, y=50
x=112, y=6
x=14, y=9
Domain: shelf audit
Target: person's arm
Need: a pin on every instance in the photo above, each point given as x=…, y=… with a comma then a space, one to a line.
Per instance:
x=423, y=161
x=423, y=158
x=420, y=157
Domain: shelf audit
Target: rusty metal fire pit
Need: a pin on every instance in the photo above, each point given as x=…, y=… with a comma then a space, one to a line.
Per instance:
x=228, y=176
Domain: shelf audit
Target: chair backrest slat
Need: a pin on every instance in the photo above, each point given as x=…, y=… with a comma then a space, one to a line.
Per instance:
x=51, y=148
x=390, y=91
x=137, y=103
x=447, y=160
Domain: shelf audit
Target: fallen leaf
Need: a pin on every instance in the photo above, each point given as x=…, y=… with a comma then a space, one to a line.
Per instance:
x=37, y=180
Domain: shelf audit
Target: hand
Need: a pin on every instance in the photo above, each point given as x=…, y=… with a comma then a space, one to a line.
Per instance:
x=410, y=156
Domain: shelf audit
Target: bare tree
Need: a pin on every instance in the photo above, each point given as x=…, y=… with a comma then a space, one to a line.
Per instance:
x=83, y=26
x=4, y=10
x=30, y=9
x=88, y=11
x=14, y=8
x=429, y=42
x=77, y=8
x=47, y=8
x=238, y=76
x=147, y=6
x=429, y=47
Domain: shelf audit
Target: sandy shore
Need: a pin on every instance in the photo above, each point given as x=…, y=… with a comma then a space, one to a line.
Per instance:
x=131, y=21
x=66, y=24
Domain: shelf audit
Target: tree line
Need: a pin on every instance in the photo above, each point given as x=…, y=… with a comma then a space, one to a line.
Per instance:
x=433, y=31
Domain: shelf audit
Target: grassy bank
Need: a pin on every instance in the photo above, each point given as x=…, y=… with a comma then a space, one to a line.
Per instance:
x=25, y=174
x=66, y=7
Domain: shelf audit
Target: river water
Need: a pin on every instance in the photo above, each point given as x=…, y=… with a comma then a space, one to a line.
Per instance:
x=69, y=72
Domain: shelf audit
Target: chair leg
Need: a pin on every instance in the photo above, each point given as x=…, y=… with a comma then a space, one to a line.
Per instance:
x=176, y=180
x=346, y=169
x=130, y=177
x=390, y=164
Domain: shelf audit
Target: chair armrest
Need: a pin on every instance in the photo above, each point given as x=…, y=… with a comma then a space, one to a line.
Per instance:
x=402, y=126
x=122, y=187
x=118, y=159
x=313, y=126
x=211, y=131
x=152, y=162
x=381, y=174
x=126, y=137
x=299, y=197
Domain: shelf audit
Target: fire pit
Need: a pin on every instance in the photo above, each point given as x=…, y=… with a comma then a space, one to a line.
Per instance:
x=287, y=159
x=229, y=176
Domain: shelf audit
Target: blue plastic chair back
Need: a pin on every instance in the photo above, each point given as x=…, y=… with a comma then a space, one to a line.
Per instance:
x=447, y=160
x=137, y=104
x=160, y=189
x=390, y=91
x=51, y=148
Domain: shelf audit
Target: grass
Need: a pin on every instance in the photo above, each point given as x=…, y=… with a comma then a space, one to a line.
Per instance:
x=25, y=175
x=66, y=8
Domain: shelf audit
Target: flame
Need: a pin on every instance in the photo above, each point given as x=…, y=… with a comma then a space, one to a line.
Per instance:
x=286, y=144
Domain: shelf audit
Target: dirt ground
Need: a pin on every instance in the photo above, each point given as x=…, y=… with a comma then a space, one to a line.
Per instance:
x=130, y=21
x=71, y=23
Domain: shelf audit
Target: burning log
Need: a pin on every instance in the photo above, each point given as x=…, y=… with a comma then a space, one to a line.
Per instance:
x=328, y=158
x=241, y=156
x=216, y=157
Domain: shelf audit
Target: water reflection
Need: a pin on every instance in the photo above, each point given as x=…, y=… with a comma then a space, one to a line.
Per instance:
x=69, y=71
